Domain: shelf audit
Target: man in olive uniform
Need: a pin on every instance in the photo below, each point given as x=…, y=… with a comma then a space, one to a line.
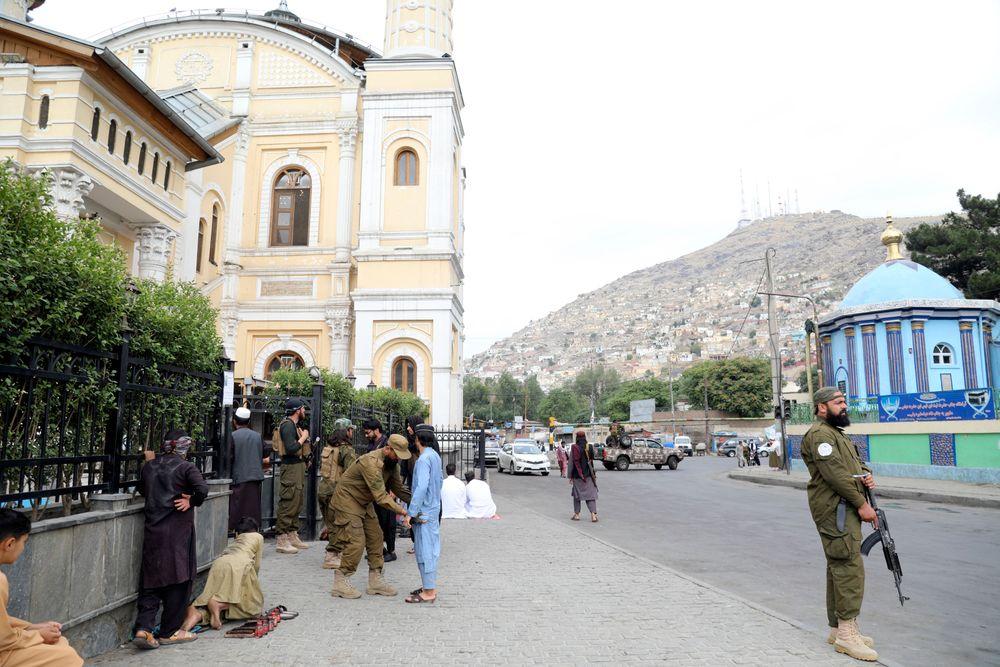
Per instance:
x=338, y=455
x=837, y=477
x=358, y=531
x=292, y=478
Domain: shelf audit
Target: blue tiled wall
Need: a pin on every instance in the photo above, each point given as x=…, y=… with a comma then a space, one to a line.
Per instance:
x=942, y=449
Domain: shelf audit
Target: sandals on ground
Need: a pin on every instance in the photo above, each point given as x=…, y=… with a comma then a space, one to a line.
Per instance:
x=593, y=518
x=417, y=591
x=575, y=517
x=145, y=640
x=414, y=598
x=179, y=637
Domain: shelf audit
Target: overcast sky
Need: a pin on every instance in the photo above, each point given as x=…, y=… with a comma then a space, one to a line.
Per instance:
x=605, y=137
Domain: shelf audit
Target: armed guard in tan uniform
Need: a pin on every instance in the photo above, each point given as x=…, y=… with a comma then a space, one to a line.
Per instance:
x=357, y=527
x=837, y=477
x=338, y=455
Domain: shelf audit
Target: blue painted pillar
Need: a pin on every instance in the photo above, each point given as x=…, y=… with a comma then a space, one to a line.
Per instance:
x=920, y=355
x=988, y=353
x=894, y=343
x=870, y=346
x=968, y=353
x=828, y=376
x=852, y=362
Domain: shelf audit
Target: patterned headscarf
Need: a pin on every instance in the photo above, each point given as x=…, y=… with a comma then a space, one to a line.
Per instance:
x=179, y=445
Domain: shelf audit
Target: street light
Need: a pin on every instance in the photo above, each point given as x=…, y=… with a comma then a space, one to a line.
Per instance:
x=371, y=386
x=350, y=378
x=316, y=374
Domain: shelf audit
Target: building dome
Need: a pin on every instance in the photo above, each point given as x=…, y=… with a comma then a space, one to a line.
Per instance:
x=899, y=280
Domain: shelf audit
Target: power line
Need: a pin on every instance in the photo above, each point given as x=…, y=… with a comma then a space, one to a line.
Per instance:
x=747, y=316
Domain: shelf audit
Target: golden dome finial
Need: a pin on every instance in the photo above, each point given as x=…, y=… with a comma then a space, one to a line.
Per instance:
x=891, y=239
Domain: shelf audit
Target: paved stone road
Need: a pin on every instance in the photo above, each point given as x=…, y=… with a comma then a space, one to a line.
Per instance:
x=524, y=589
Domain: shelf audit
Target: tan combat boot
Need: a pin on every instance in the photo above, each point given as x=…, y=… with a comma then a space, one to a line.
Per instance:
x=378, y=586
x=342, y=587
x=849, y=641
x=294, y=540
x=832, y=637
x=284, y=546
x=331, y=561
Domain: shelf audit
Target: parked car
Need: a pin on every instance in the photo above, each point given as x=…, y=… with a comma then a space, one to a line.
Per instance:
x=642, y=450
x=728, y=448
x=491, y=451
x=522, y=455
x=683, y=443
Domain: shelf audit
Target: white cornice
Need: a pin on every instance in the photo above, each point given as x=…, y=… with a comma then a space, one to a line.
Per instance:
x=212, y=27
x=909, y=308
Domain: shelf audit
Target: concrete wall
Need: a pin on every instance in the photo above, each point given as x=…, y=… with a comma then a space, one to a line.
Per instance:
x=83, y=570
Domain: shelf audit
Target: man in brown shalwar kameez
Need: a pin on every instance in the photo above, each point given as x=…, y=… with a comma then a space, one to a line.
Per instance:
x=171, y=486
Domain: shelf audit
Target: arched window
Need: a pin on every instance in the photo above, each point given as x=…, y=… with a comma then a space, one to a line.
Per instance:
x=142, y=158
x=213, y=240
x=404, y=375
x=43, y=113
x=201, y=245
x=156, y=167
x=290, y=210
x=406, y=167
x=127, y=151
x=942, y=355
x=95, y=123
x=112, y=135
x=283, y=361
x=166, y=176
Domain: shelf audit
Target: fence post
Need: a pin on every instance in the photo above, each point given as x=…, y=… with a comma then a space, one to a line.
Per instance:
x=222, y=462
x=315, y=433
x=482, y=454
x=116, y=420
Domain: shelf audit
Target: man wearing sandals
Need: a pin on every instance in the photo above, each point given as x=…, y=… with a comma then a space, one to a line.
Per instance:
x=365, y=482
x=171, y=486
x=424, y=510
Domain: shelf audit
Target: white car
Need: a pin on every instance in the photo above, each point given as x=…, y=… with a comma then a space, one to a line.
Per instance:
x=522, y=455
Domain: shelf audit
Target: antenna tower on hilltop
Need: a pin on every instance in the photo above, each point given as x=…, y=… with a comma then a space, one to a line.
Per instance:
x=744, y=216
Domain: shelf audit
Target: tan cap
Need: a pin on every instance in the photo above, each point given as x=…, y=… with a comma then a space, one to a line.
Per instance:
x=400, y=446
x=825, y=395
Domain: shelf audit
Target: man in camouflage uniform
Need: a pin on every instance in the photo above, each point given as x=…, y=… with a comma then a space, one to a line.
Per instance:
x=357, y=527
x=291, y=478
x=837, y=477
x=338, y=455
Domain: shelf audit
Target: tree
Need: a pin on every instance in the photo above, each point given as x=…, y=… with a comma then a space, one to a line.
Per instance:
x=475, y=397
x=533, y=396
x=174, y=323
x=755, y=301
x=741, y=385
x=565, y=405
x=618, y=404
x=964, y=248
x=801, y=381
x=595, y=383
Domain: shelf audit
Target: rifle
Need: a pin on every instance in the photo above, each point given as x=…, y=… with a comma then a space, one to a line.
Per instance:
x=882, y=535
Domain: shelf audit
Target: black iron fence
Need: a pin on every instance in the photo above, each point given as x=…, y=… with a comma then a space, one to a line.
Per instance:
x=75, y=421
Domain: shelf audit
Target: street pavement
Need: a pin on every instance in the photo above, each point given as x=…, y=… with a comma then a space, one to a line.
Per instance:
x=522, y=589
x=760, y=543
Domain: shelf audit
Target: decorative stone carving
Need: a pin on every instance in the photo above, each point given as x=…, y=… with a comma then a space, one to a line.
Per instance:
x=193, y=67
x=69, y=189
x=341, y=323
x=230, y=321
x=154, y=244
x=286, y=288
x=347, y=130
x=279, y=71
x=242, y=139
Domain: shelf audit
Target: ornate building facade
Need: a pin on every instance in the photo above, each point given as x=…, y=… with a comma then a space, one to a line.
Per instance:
x=332, y=232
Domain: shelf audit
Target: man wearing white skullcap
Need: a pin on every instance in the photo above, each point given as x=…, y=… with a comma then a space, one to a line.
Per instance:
x=246, y=452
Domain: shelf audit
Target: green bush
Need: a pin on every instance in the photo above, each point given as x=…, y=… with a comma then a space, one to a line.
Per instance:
x=174, y=323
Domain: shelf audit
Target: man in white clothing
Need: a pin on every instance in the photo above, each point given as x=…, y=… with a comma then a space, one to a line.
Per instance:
x=480, y=504
x=453, y=497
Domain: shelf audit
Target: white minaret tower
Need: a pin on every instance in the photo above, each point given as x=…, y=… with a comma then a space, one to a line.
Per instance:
x=418, y=28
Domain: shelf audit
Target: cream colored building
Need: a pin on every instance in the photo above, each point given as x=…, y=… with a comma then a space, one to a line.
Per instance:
x=331, y=234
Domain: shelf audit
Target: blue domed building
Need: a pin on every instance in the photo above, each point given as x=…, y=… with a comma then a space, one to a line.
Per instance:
x=918, y=364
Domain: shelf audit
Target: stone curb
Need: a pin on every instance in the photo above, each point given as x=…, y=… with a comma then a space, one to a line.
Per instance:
x=883, y=491
x=811, y=629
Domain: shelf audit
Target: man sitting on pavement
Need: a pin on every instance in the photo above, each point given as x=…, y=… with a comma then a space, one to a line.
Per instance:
x=453, y=495
x=480, y=504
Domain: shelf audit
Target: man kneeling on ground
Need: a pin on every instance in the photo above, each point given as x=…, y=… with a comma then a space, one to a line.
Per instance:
x=24, y=644
x=232, y=590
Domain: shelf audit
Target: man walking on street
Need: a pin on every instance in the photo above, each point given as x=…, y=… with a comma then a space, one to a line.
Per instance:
x=292, y=441
x=246, y=451
x=368, y=480
x=561, y=458
x=386, y=519
x=338, y=455
x=837, y=478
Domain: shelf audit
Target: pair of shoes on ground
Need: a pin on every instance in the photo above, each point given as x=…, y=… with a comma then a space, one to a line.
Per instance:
x=145, y=640
x=343, y=588
x=847, y=638
x=289, y=543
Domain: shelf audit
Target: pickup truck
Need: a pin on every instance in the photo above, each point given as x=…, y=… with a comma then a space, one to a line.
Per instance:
x=642, y=450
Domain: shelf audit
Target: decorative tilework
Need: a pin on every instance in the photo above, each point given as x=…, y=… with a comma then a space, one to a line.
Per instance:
x=796, y=442
x=861, y=442
x=942, y=449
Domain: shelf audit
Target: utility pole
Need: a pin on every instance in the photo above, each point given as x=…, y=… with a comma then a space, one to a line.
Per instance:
x=776, y=382
x=708, y=439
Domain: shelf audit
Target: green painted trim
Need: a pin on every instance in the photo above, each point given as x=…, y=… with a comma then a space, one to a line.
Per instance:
x=914, y=449
x=977, y=450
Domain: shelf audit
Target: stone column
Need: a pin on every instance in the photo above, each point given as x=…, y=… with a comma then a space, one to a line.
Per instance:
x=852, y=362
x=348, y=131
x=187, y=261
x=339, y=320
x=894, y=346
x=870, y=347
x=919, y=355
x=234, y=226
x=69, y=187
x=968, y=354
x=154, y=246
